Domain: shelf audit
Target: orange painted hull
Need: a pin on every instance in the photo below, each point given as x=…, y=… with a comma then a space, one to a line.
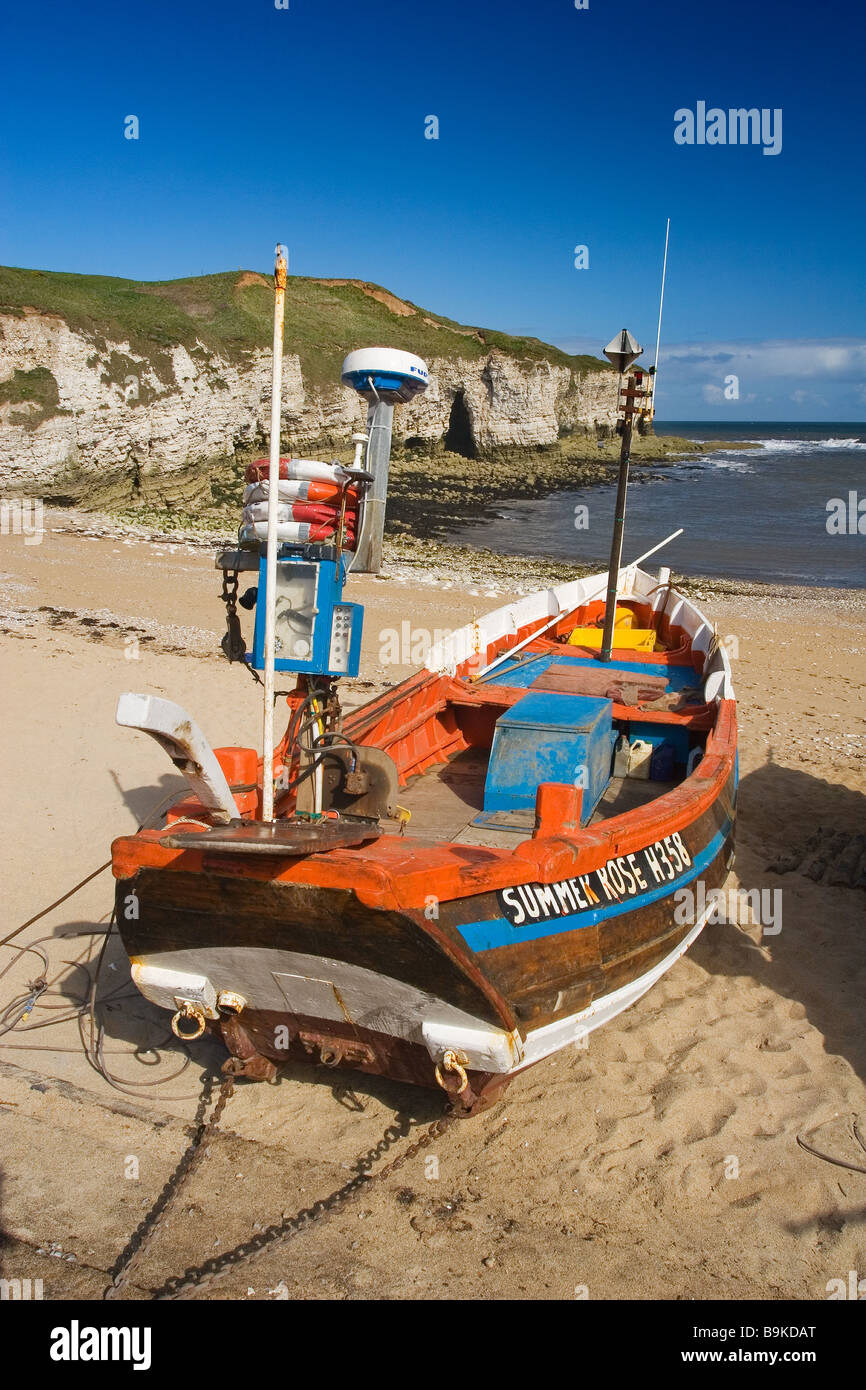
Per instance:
x=371, y=955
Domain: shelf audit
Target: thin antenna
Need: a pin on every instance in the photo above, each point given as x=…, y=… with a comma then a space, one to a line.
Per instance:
x=661, y=305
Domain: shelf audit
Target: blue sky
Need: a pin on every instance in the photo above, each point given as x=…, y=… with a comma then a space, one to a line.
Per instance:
x=556, y=129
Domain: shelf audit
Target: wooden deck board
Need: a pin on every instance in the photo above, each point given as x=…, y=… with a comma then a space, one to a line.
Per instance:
x=445, y=800
x=626, y=794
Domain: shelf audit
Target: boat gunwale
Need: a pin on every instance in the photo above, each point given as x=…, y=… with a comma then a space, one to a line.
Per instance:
x=381, y=876
x=393, y=873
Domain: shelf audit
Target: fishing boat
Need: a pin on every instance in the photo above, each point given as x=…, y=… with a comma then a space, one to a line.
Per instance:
x=471, y=871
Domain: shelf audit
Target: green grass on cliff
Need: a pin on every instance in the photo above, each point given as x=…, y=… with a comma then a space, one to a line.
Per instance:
x=33, y=396
x=232, y=313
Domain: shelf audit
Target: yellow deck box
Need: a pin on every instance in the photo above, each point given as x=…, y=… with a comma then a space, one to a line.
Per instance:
x=640, y=639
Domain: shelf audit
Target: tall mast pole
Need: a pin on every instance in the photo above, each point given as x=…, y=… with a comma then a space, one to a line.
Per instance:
x=618, y=525
x=280, y=270
x=621, y=352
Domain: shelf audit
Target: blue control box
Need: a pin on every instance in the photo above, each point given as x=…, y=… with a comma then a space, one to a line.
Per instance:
x=315, y=632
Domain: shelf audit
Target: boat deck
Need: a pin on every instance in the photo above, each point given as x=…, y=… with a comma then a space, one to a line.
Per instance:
x=446, y=799
x=528, y=668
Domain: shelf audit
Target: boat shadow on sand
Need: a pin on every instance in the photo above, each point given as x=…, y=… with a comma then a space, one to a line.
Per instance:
x=801, y=842
x=143, y=801
x=814, y=958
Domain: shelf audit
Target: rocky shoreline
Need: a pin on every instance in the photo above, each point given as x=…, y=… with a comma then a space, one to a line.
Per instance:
x=430, y=491
x=421, y=517
x=427, y=562
x=429, y=495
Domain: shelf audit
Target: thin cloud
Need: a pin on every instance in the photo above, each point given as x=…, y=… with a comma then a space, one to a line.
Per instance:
x=775, y=359
x=841, y=358
x=780, y=376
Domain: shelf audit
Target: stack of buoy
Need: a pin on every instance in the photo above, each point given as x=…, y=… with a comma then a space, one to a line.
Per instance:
x=310, y=502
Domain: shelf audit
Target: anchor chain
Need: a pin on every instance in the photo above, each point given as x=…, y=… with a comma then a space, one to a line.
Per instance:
x=141, y=1238
x=233, y=643
x=275, y=1236
x=278, y=1235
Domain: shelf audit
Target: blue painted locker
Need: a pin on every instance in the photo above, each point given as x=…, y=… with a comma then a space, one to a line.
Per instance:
x=549, y=738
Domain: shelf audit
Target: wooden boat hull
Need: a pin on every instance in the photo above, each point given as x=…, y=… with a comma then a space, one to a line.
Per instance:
x=328, y=977
x=391, y=955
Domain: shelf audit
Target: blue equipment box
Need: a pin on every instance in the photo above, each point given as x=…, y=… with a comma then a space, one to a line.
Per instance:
x=676, y=735
x=315, y=632
x=547, y=737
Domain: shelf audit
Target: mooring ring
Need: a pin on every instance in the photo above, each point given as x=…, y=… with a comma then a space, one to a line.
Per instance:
x=451, y=1064
x=192, y=1012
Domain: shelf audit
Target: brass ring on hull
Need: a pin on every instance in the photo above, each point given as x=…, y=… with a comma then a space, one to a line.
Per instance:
x=451, y=1064
x=188, y=1011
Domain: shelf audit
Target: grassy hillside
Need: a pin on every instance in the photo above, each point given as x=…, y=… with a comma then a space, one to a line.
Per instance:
x=232, y=314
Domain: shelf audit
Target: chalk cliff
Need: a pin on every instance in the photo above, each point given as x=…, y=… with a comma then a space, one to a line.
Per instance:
x=110, y=387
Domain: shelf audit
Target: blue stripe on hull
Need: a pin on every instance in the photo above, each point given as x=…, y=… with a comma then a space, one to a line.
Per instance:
x=497, y=931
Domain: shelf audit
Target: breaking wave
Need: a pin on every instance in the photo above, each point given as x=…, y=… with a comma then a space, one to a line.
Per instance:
x=740, y=458
x=808, y=446
x=733, y=460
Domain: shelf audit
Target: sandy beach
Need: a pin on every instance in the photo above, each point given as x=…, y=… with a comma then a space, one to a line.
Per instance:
x=660, y=1161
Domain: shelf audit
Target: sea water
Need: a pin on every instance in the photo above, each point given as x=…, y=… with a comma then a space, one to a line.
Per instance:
x=785, y=511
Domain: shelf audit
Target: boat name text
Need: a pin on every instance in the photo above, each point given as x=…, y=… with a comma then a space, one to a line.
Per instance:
x=626, y=876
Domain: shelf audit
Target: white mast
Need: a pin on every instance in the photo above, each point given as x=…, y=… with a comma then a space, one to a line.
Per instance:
x=269, y=596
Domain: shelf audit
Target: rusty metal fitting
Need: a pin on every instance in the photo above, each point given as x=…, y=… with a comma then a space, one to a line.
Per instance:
x=228, y=1002
x=190, y=1011
x=452, y=1065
